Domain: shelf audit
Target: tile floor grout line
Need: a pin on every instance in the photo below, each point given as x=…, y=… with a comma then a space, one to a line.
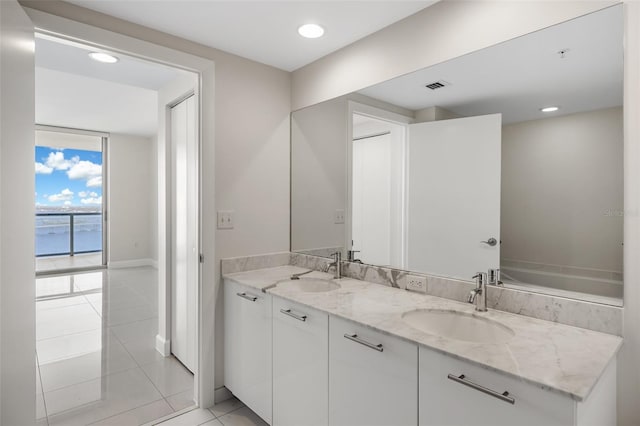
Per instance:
x=44, y=401
x=156, y=388
x=89, y=380
x=123, y=412
x=70, y=334
x=145, y=374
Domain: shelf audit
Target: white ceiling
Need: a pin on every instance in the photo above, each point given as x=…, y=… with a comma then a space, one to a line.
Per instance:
x=75, y=91
x=518, y=77
x=73, y=58
x=265, y=31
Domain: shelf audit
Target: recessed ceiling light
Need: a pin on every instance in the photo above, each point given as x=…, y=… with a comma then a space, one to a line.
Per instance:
x=103, y=57
x=310, y=31
x=550, y=109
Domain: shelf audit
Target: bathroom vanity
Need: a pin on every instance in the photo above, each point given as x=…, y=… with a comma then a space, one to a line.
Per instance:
x=318, y=351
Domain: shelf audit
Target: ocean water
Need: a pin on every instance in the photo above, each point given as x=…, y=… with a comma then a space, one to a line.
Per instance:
x=53, y=234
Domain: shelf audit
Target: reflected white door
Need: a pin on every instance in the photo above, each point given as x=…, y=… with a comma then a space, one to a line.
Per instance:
x=184, y=244
x=454, y=196
x=371, y=205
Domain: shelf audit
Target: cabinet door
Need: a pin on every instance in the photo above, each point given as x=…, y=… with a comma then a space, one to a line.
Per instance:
x=372, y=377
x=444, y=401
x=247, y=347
x=300, y=365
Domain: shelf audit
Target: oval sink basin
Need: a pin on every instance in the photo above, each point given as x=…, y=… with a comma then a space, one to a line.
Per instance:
x=311, y=285
x=458, y=326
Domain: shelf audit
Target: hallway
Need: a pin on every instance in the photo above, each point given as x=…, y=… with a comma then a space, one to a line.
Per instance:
x=96, y=356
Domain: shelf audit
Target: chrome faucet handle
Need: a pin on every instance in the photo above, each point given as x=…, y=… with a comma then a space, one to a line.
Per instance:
x=493, y=277
x=481, y=279
x=351, y=255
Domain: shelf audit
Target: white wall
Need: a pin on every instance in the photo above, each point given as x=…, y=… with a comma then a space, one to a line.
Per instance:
x=562, y=190
x=628, y=371
x=17, y=209
x=153, y=200
x=131, y=192
x=440, y=32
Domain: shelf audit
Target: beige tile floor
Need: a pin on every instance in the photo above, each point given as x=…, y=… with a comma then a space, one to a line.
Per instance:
x=56, y=263
x=228, y=413
x=96, y=357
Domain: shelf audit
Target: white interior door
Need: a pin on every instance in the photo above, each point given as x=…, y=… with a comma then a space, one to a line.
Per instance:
x=371, y=200
x=184, y=244
x=453, y=201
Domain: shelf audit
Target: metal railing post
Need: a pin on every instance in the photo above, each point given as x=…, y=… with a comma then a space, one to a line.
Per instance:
x=71, y=234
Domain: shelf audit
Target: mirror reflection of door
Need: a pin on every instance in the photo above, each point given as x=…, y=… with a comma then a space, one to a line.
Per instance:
x=453, y=196
x=378, y=153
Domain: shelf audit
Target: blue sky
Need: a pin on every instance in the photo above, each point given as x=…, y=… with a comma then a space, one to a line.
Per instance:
x=68, y=177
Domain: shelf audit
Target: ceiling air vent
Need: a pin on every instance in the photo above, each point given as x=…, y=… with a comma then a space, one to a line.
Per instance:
x=437, y=85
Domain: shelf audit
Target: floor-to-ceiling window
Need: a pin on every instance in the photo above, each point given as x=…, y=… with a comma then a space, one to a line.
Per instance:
x=69, y=200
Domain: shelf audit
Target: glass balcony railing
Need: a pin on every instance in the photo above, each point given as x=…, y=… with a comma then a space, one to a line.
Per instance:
x=60, y=234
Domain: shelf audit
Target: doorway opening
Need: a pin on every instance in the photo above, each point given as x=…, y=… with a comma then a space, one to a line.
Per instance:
x=98, y=338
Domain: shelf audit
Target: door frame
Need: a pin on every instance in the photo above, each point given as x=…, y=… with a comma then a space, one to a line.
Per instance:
x=87, y=35
x=382, y=115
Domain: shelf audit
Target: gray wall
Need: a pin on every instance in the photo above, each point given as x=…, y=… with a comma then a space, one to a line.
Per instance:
x=131, y=192
x=562, y=190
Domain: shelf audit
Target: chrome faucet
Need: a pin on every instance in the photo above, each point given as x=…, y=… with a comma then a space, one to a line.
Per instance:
x=337, y=259
x=479, y=294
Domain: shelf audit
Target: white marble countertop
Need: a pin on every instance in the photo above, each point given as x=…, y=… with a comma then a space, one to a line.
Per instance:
x=561, y=358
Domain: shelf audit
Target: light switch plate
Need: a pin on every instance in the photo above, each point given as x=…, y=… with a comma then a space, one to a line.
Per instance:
x=225, y=219
x=338, y=216
x=416, y=283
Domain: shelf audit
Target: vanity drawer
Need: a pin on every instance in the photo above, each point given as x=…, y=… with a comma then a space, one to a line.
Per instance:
x=443, y=400
x=372, y=377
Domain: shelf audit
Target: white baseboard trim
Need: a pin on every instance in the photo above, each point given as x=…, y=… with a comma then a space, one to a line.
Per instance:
x=132, y=263
x=163, y=345
x=221, y=394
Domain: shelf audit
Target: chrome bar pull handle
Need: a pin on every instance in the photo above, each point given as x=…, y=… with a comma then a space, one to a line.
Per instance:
x=302, y=318
x=504, y=396
x=356, y=339
x=248, y=297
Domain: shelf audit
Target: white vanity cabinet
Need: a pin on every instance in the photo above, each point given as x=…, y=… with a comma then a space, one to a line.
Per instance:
x=373, y=377
x=455, y=392
x=300, y=365
x=247, y=346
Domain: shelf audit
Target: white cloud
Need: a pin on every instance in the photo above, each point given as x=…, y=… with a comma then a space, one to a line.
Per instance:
x=56, y=161
x=67, y=203
x=95, y=182
x=84, y=170
x=85, y=194
x=42, y=169
x=64, y=195
x=92, y=200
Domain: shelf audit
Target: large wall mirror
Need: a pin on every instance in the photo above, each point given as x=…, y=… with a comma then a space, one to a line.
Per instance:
x=510, y=157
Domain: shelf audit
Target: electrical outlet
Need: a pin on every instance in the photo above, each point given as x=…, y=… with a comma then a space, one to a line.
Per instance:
x=225, y=219
x=338, y=216
x=416, y=283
